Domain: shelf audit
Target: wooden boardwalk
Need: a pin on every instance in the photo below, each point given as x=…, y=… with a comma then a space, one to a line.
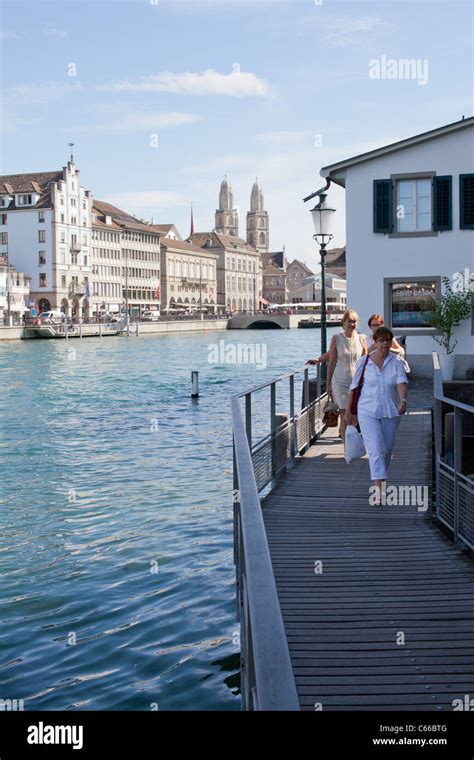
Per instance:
x=386, y=621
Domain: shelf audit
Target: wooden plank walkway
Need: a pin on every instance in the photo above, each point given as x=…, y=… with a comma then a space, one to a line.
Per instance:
x=389, y=622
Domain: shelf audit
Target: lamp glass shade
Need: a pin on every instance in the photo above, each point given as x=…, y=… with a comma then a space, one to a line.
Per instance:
x=323, y=218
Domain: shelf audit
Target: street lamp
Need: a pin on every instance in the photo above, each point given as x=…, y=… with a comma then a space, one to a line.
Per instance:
x=323, y=220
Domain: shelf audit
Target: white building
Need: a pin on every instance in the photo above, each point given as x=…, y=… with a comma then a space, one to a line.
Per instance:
x=127, y=257
x=188, y=275
x=45, y=230
x=409, y=222
x=14, y=293
x=336, y=291
x=106, y=286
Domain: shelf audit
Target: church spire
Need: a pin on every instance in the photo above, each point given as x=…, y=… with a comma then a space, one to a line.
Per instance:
x=227, y=218
x=257, y=220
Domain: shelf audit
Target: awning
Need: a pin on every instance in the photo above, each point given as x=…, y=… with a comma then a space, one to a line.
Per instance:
x=264, y=301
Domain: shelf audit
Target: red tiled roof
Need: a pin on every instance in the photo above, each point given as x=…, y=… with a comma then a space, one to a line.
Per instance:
x=183, y=245
x=221, y=241
x=37, y=182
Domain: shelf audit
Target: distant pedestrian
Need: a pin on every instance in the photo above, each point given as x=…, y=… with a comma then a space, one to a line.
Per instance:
x=381, y=401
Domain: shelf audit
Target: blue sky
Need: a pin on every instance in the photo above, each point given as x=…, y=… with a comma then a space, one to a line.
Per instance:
x=274, y=88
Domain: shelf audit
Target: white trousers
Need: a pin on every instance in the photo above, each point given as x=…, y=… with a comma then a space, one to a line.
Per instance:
x=379, y=439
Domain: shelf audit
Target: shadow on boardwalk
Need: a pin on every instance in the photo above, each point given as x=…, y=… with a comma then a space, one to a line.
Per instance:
x=377, y=602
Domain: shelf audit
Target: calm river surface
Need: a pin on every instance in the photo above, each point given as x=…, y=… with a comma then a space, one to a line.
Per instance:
x=116, y=558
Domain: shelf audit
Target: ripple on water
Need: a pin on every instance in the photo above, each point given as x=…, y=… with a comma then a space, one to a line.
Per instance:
x=116, y=565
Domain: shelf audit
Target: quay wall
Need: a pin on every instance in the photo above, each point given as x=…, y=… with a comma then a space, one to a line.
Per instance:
x=144, y=328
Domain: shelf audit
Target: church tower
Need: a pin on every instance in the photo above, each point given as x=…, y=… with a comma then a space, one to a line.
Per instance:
x=227, y=217
x=257, y=221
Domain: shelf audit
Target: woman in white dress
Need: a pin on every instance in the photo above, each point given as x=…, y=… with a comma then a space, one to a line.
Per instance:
x=381, y=402
x=345, y=350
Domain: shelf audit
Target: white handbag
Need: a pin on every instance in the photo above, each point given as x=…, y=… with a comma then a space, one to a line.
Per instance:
x=354, y=448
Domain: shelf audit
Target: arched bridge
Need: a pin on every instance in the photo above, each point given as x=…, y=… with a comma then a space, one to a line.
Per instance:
x=263, y=321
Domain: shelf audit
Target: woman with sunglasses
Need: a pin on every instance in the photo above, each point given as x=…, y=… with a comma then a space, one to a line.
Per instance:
x=376, y=321
x=345, y=350
x=382, y=399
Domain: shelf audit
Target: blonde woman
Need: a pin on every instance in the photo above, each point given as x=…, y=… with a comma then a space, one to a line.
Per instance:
x=345, y=350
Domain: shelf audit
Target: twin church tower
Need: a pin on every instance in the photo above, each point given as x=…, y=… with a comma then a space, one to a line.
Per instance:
x=227, y=216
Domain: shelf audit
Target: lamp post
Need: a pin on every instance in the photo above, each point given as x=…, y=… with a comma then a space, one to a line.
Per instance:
x=323, y=218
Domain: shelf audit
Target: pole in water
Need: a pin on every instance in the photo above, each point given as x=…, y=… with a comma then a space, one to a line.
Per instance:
x=194, y=384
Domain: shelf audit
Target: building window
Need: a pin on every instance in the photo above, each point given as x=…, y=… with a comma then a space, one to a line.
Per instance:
x=25, y=200
x=42, y=280
x=42, y=258
x=413, y=212
x=74, y=258
x=40, y=216
x=62, y=218
x=42, y=236
x=3, y=218
x=63, y=280
x=408, y=302
x=4, y=238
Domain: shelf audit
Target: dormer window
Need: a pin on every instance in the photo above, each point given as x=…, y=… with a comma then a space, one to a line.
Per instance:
x=5, y=200
x=25, y=200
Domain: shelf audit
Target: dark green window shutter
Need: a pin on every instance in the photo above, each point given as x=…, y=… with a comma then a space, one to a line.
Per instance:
x=383, y=212
x=442, y=203
x=466, y=201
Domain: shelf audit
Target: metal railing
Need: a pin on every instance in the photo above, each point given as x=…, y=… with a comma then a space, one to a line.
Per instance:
x=261, y=458
x=454, y=469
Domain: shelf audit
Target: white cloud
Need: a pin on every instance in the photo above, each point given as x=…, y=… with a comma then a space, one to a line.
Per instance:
x=121, y=122
x=238, y=84
x=149, y=200
x=53, y=31
x=40, y=92
x=343, y=31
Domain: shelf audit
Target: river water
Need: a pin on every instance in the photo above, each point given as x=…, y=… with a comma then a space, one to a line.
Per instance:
x=116, y=561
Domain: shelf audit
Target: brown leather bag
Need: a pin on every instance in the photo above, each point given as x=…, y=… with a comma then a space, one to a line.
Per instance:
x=331, y=413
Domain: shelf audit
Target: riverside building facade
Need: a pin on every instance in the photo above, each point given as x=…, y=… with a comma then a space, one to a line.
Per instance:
x=188, y=276
x=239, y=270
x=45, y=231
x=137, y=261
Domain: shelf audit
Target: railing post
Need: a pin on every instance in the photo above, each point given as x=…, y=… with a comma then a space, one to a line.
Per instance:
x=438, y=444
x=306, y=407
x=273, y=423
x=248, y=418
x=318, y=395
x=292, y=417
x=457, y=464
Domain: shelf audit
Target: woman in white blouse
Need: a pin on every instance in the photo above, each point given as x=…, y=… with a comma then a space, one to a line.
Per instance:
x=381, y=402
